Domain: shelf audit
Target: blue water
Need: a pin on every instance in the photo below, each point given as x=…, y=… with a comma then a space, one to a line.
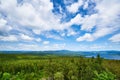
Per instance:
x=106, y=56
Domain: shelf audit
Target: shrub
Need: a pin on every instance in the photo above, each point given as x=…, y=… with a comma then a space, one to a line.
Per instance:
x=105, y=75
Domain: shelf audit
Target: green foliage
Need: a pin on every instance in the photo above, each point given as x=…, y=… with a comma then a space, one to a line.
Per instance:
x=6, y=76
x=36, y=67
x=0, y=74
x=58, y=76
x=104, y=76
x=99, y=59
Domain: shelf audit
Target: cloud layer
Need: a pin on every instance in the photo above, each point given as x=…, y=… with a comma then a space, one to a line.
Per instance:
x=38, y=21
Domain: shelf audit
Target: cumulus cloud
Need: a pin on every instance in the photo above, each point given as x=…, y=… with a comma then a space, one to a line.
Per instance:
x=89, y=22
x=76, y=20
x=26, y=37
x=46, y=42
x=57, y=37
x=39, y=16
x=35, y=15
x=33, y=19
x=115, y=38
x=85, y=6
x=10, y=38
x=105, y=21
x=73, y=8
x=28, y=20
x=100, y=32
x=2, y=22
x=32, y=47
x=38, y=39
x=19, y=37
x=68, y=2
x=86, y=37
x=71, y=32
x=3, y=26
x=52, y=35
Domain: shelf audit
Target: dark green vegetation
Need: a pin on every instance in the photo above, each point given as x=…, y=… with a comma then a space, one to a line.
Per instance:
x=51, y=67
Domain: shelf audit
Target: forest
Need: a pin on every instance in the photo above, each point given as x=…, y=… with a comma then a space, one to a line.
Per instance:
x=53, y=67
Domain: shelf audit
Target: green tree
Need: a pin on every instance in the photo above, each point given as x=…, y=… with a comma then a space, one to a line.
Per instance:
x=104, y=76
x=99, y=59
x=58, y=76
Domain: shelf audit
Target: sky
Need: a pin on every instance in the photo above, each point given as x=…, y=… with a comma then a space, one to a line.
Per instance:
x=78, y=25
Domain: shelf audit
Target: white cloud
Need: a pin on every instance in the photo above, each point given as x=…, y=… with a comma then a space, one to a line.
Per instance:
x=37, y=31
x=38, y=39
x=105, y=21
x=101, y=32
x=57, y=37
x=39, y=16
x=115, y=38
x=68, y=2
x=46, y=42
x=52, y=35
x=21, y=46
x=71, y=32
x=63, y=34
x=85, y=6
x=76, y=20
x=3, y=25
x=20, y=37
x=75, y=6
x=26, y=37
x=2, y=22
x=11, y=38
x=89, y=22
x=47, y=47
x=86, y=37
x=32, y=47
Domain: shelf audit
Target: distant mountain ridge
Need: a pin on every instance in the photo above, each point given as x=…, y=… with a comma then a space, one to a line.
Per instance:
x=105, y=54
x=64, y=52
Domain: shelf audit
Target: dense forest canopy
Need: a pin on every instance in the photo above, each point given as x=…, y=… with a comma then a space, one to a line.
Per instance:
x=52, y=67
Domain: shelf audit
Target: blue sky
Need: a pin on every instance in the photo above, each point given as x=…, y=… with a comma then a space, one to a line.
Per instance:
x=79, y=25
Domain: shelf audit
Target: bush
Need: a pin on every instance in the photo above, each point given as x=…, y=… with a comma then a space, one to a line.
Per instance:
x=105, y=75
x=6, y=76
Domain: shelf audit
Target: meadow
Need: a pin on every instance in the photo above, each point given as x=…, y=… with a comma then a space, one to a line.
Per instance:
x=53, y=67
